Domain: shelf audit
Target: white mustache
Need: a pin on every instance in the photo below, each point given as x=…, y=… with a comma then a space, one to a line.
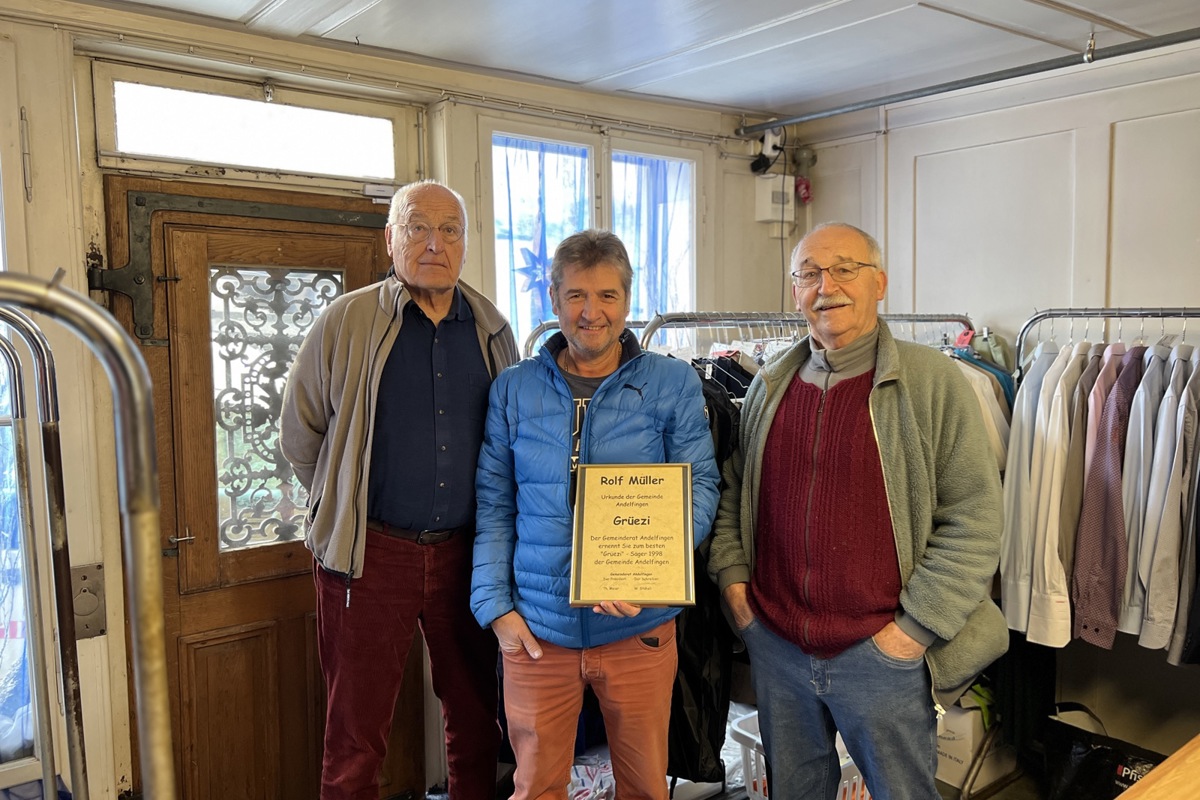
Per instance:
x=832, y=301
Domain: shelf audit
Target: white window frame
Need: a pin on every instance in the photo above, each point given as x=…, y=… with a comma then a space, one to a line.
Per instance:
x=603, y=145
x=404, y=118
x=656, y=148
x=12, y=218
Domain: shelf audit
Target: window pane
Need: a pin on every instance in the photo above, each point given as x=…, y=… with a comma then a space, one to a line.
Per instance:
x=16, y=699
x=654, y=213
x=540, y=196
x=259, y=317
x=215, y=129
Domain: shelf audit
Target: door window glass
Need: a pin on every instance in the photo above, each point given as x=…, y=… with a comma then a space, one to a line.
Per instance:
x=259, y=317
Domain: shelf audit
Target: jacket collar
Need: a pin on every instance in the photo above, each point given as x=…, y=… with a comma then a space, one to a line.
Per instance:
x=630, y=349
x=393, y=295
x=887, y=358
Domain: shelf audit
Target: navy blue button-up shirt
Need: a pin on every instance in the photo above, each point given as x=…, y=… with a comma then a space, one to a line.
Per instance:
x=429, y=418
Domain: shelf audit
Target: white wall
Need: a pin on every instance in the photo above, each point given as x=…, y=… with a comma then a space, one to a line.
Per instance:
x=1074, y=188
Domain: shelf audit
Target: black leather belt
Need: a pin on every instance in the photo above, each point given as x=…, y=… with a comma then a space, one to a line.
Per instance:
x=420, y=537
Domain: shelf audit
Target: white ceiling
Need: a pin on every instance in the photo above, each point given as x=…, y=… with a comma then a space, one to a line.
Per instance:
x=774, y=57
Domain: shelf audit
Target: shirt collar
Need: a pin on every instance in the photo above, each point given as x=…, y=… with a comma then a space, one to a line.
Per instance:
x=852, y=358
x=460, y=309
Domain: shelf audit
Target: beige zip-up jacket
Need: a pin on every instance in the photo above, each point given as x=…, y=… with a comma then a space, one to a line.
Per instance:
x=328, y=413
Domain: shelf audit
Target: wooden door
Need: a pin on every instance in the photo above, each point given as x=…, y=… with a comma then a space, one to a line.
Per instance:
x=237, y=276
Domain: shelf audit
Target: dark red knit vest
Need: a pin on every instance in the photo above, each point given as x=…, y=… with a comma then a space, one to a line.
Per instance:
x=826, y=573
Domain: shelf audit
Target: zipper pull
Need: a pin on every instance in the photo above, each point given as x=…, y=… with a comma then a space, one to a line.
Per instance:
x=348, y=595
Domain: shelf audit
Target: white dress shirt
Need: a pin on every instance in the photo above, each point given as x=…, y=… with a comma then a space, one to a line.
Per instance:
x=1135, y=478
x=1050, y=596
x=1016, y=546
x=1189, y=414
x=1158, y=553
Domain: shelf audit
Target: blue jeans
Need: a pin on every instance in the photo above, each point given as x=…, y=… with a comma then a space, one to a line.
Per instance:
x=883, y=707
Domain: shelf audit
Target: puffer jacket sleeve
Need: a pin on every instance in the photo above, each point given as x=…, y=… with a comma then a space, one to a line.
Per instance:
x=496, y=511
x=688, y=439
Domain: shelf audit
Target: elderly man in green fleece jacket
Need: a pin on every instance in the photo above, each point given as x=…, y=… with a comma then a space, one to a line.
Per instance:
x=857, y=537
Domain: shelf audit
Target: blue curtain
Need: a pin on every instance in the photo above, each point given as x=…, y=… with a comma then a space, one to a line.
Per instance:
x=541, y=195
x=652, y=213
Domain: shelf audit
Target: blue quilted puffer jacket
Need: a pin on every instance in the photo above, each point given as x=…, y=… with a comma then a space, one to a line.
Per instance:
x=651, y=410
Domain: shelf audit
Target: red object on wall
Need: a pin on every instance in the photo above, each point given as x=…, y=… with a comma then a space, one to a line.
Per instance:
x=804, y=192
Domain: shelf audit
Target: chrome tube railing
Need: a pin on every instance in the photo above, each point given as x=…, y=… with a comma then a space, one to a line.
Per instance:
x=535, y=335
x=60, y=554
x=133, y=413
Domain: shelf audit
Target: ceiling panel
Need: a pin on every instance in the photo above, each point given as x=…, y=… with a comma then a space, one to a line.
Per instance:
x=779, y=57
x=877, y=56
x=570, y=41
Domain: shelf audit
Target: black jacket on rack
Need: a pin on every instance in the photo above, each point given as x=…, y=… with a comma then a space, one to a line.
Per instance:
x=700, y=698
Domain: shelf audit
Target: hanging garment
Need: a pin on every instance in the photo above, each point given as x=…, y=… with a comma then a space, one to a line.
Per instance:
x=700, y=695
x=1016, y=545
x=1135, y=478
x=1190, y=648
x=1162, y=531
x=994, y=422
x=995, y=349
x=1110, y=369
x=1100, y=555
x=1004, y=378
x=1072, y=493
x=723, y=415
x=727, y=371
x=1050, y=598
x=1189, y=415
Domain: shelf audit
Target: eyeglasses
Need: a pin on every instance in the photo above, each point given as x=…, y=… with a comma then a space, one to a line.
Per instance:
x=842, y=272
x=419, y=231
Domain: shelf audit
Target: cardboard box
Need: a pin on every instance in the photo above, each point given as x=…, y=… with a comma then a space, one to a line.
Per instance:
x=961, y=734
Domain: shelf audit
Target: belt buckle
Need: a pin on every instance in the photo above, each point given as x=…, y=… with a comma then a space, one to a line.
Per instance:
x=433, y=537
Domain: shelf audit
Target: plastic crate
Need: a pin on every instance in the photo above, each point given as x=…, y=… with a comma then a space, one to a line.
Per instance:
x=744, y=731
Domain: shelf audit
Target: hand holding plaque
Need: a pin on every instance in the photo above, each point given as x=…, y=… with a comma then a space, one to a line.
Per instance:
x=633, y=535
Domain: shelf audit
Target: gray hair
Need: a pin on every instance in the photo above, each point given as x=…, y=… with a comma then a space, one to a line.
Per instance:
x=585, y=250
x=875, y=254
x=400, y=203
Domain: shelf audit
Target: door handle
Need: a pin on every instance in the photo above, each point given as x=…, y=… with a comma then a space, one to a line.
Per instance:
x=175, y=540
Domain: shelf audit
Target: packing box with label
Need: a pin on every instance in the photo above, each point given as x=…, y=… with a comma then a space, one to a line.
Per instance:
x=961, y=735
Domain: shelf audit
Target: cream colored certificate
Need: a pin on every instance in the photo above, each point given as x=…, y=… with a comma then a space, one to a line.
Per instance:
x=633, y=535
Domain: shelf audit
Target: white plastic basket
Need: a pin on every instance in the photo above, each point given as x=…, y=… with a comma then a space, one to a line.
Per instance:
x=744, y=731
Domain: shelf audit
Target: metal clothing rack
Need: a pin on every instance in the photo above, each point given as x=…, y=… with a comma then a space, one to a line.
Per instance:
x=785, y=324
x=1116, y=313
x=535, y=335
x=133, y=414
x=779, y=324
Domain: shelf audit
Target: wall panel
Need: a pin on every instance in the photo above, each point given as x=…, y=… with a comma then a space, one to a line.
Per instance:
x=993, y=228
x=1155, y=257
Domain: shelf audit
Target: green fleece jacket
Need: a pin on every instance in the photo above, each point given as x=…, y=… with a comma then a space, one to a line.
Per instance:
x=328, y=412
x=943, y=494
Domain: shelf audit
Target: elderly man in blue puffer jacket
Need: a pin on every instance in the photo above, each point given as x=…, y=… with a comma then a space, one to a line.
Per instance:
x=590, y=396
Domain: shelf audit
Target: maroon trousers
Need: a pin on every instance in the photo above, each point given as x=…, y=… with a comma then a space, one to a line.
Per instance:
x=364, y=648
